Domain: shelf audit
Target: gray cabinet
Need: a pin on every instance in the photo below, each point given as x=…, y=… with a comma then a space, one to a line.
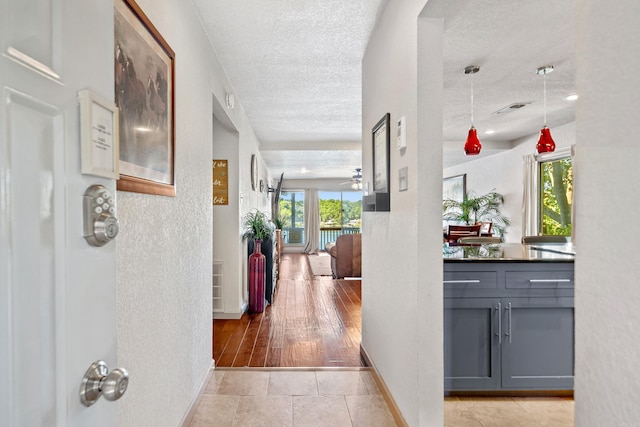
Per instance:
x=508, y=326
x=538, y=352
x=471, y=344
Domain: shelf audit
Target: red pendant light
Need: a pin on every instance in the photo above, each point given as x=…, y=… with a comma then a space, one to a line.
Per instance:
x=545, y=143
x=472, y=146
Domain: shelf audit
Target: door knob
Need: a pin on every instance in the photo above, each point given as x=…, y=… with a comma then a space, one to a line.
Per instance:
x=98, y=381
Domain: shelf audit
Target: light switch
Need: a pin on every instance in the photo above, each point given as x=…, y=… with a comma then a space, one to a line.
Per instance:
x=401, y=139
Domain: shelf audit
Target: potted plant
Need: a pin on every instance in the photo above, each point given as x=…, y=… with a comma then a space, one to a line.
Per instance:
x=473, y=209
x=257, y=226
x=279, y=223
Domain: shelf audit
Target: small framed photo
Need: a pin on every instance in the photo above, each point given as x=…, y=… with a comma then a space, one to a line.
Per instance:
x=381, y=139
x=99, y=135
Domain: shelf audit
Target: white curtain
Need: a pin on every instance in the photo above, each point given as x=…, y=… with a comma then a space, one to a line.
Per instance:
x=530, y=196
x=311, y=221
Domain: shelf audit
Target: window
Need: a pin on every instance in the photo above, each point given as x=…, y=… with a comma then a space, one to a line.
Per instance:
x=291, y=212
x=555, y=196
x=340, y=213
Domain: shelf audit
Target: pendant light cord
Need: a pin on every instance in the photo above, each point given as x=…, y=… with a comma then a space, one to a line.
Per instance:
x=544, y=96
x=472, y=99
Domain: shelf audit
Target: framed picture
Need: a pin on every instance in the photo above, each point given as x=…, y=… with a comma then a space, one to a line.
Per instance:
x=220, y=182
x=144, y=94
x=381, y=140
x=454, y=187
x=98, y=127
x=254, y=172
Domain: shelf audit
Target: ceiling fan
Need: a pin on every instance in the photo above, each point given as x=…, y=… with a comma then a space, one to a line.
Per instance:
x=356, y=180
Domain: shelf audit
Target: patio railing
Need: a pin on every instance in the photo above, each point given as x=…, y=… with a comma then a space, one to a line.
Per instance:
x=296, y=236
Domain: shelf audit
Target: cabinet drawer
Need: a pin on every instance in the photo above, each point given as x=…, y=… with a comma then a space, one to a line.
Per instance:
x=469, y=280
x=558, y=279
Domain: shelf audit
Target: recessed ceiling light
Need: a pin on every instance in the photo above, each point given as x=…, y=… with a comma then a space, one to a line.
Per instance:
x=572, y=97
x=490, y=132
x=304, y=170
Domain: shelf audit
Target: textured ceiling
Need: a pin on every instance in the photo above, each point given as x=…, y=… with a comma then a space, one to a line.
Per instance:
x=295, y=67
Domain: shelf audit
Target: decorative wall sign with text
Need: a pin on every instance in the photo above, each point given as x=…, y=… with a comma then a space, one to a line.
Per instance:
x=220, y=182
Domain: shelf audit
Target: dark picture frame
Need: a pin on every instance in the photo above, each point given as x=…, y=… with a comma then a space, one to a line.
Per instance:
x=381, y=139
x=144, y=94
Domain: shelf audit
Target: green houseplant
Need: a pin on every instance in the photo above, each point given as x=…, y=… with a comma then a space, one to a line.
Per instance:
x=279, y=223
x=473, y=209
x=257, y=226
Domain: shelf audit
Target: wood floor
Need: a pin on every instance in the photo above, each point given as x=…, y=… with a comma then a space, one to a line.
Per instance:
x=314, y=321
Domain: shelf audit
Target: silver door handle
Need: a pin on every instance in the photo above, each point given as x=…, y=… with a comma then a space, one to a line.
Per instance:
x=461, y=281
x=549, y=280
x=98, y=381
x=509, y=330
x=499, y=311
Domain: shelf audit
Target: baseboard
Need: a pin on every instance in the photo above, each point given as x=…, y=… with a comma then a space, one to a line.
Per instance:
x=220, y=315
x=384, y=390
x=188, y=417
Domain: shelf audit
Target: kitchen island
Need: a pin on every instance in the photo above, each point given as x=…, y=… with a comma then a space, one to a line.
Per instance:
x=508, y=317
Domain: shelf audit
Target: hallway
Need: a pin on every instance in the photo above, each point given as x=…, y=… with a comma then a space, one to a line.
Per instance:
x=314, y=321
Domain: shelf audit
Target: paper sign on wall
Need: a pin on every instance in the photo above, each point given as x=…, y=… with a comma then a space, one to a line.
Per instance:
x=220, y=182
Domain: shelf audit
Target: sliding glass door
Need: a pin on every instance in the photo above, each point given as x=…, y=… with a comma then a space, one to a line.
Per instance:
x=291, y=212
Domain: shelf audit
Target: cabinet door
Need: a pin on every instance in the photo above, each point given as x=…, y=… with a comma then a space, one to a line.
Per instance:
x=537, y=348
x=471, y=348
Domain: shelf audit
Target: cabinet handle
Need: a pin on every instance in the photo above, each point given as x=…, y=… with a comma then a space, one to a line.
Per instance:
x=499, y=311
x=549, y=280
x=461, y=281
x=508, y=309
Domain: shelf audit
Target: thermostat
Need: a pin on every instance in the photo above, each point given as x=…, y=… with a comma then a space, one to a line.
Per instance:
x=401, y=140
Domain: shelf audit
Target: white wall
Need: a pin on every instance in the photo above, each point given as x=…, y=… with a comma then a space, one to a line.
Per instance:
x=504, y=172
x=164, y=249
x=401, y=305
x=607, y=196
x=227, y=246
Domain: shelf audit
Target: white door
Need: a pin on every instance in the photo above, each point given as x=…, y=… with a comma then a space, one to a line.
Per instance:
x=57, y=293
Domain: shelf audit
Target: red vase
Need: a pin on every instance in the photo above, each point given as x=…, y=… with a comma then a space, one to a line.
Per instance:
x=256, y=279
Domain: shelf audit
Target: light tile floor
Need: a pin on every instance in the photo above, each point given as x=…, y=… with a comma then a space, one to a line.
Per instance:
x=336, y=398
x=508, y=411
x=296, y=398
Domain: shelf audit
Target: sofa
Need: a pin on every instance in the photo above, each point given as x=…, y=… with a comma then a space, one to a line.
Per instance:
x=346, y=256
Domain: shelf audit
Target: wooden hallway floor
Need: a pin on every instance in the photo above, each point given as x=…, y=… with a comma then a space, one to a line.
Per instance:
x=314, y=321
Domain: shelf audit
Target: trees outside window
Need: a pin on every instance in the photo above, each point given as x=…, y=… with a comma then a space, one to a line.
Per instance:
x=556, y=197
x=340, y=209
x=291, y=213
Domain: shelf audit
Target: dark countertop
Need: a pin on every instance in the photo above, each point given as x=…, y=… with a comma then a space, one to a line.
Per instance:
x=509, y=252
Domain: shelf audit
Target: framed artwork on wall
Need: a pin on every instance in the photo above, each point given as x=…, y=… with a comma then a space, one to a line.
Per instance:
x=144, y=94
x=381, y=139
x=220, y=182
x=454, y=187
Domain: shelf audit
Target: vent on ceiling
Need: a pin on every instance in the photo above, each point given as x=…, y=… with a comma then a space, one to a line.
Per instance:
x=511, y=108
